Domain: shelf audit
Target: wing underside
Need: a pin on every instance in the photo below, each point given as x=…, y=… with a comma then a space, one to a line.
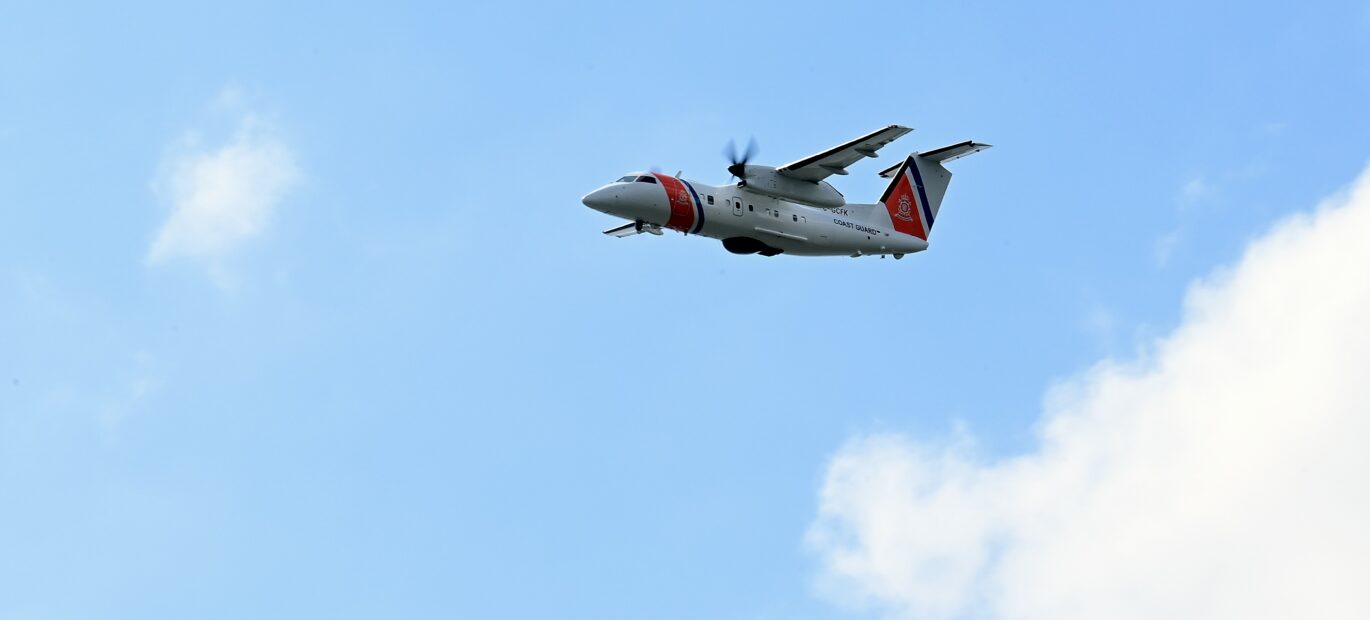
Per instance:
x=835, y=160
x=633, y=228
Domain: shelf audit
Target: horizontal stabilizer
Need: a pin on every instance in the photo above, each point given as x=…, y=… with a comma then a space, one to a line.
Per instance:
x=942, y=155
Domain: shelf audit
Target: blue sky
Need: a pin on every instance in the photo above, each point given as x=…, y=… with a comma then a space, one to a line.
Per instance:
x=427, y=386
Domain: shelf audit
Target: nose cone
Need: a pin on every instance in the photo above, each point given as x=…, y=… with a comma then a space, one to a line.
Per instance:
x=602, y=199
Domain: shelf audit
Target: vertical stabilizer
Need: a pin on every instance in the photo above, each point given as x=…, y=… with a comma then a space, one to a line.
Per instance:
x=918, y=185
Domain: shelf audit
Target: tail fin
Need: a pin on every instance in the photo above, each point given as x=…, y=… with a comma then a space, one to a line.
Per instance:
x=918, y=185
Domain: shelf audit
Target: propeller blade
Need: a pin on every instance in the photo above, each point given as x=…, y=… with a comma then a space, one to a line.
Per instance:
x=737, y=164
x=748, y=154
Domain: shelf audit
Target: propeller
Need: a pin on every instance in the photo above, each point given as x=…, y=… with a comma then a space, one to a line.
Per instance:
x=737, y=162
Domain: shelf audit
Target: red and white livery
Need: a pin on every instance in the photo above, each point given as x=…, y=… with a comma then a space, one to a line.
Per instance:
x=792, y=209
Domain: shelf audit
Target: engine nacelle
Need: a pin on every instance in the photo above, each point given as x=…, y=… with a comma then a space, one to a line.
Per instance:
x=765, y=180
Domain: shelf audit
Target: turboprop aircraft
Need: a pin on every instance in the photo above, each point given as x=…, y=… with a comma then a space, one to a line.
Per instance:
x=792, y=209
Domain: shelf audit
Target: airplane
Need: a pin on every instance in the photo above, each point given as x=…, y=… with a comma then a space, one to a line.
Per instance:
x=792, y=209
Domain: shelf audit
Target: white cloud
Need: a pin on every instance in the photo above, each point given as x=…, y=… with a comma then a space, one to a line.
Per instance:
x=1101, y=324
x=1164, y=247
x=1194, y=191
x=223, y=197
x=1226, y=475
x=142, y=383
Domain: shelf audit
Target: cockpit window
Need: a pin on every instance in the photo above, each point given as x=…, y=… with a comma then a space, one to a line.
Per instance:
x=628, y=179
x=646, y=179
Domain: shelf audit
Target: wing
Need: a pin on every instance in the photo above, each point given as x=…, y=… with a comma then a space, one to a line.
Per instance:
x=835, y=160
x=633, y=228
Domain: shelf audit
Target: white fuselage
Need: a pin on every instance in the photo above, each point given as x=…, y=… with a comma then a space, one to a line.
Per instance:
x=751, y=222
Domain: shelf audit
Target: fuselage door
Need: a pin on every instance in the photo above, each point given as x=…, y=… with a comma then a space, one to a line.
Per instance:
x=737, y=207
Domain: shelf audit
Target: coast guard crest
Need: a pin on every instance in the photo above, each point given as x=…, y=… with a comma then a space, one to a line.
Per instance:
x=905, y=209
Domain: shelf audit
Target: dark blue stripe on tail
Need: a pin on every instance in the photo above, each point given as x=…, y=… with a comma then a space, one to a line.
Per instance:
x=922, y=195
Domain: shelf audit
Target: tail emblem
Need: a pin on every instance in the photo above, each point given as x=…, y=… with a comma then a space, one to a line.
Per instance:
x=905, y=209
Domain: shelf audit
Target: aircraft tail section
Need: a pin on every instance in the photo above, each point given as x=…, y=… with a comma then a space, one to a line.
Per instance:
x=917, y=186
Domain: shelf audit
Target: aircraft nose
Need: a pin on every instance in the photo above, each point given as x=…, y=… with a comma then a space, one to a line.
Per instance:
x=600, y=200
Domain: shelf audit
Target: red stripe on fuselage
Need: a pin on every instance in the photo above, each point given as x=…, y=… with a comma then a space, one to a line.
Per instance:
x=682, y=208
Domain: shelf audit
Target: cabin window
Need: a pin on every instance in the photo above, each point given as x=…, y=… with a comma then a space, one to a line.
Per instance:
x=749, y=208
x=796, y=217
x=711, y=198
